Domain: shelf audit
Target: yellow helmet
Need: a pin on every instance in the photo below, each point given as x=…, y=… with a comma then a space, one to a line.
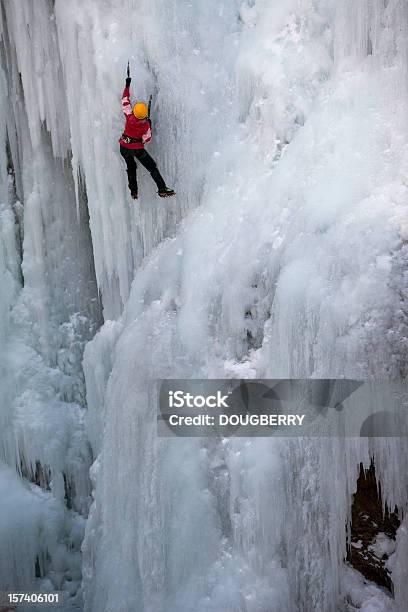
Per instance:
x=140, y=110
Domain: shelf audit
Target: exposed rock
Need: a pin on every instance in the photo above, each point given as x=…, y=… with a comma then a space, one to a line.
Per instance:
x=373, y=530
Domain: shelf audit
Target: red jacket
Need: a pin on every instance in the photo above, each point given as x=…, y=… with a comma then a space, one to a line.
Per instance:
x=135, y=128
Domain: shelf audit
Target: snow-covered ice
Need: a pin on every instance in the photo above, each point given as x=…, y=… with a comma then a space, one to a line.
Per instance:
x=283, y=128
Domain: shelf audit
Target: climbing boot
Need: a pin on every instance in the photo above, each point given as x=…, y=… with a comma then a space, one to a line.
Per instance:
x=166, y=192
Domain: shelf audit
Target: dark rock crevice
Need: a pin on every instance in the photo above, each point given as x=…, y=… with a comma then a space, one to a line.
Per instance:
x=371, y=522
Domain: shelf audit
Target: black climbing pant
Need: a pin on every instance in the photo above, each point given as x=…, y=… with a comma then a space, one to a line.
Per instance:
x=130, y=156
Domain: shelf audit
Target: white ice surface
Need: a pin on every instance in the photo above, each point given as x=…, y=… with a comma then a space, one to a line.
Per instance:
x=302, y=225
x=283, y=128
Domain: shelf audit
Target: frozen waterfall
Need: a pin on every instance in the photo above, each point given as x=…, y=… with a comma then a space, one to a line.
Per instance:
x=283, y=127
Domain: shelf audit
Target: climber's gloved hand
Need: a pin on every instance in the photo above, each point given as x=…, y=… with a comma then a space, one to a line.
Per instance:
x=128, y=81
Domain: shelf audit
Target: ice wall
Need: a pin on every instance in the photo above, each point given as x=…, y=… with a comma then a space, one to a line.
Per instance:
x=282, y=127
x=72, y=58
x=292, y=266
x=49, y=309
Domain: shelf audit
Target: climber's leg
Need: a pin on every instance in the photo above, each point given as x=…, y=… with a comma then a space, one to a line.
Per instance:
x=148, y=162
x=129, y=157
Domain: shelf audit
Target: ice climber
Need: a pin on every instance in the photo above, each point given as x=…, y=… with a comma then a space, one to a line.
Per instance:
x=136, y=134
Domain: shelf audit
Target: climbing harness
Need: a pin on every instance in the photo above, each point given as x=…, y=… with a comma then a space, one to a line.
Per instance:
x=129, y=139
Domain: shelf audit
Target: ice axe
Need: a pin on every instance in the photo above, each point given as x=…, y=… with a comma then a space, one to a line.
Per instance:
x=149, y=106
